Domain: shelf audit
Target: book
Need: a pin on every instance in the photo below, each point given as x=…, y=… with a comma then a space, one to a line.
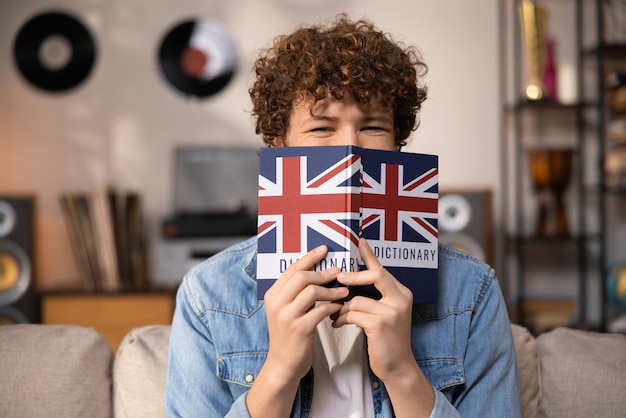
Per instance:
x=77, y=233
x=104, y=238
x=309, y=196
x=136, y=242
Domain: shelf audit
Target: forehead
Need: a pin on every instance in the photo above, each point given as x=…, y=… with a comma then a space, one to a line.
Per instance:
x=330, y=104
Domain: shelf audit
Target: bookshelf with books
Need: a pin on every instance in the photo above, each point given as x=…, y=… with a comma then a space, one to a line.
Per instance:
x=106, y=229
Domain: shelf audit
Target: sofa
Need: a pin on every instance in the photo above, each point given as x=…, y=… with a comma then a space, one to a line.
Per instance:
x=70, y=371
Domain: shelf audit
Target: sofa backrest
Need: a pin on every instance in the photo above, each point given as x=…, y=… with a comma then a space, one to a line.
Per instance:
x=528, y=367
x=54, y=371
x=582, y=374
x=67, y=371
x=140, y=371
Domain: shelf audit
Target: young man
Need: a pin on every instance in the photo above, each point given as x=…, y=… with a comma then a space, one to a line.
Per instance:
x=301, y=352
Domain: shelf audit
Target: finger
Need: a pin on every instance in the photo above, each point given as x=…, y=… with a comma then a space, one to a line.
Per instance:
x=320, y=311
x=368, y=256
x=304, y=263
x=313, y=294
x=375, y=274
x=292, y=286
x=366, y=313
x=312, y=305
x=362, y=277
x=308, y=260
x=359, y=319
x=298, y=281
x=364, y=304
x=364, y=316
x=380, y=278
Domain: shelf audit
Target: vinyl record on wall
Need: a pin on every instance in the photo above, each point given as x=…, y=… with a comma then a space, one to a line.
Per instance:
x=198, y=57
x=54, y=51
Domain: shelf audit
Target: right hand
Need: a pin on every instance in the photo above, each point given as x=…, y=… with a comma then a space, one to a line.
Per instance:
x=293, y=314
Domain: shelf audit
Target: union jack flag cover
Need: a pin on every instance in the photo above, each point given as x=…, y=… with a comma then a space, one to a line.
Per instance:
x=310, y=196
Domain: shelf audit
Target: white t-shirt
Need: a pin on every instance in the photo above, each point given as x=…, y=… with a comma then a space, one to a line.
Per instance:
x=342, y=386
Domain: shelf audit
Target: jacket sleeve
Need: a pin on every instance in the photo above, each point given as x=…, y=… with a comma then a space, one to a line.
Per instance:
x=193, y=388
x=491, y=388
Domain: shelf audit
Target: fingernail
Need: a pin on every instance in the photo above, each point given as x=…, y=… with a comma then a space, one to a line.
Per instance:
x=320, y=249
x=332, y=271
x=343, y=275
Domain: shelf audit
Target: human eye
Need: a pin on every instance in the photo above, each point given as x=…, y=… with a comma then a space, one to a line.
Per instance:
x=375, y=129
x=377, y=123
x=377, y=135
x=321, y=129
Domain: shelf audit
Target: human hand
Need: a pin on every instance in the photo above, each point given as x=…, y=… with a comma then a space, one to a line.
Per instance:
x=293, y=314
x=386, y=322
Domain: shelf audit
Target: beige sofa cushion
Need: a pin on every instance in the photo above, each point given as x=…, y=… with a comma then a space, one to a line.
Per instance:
x=528, y=367
x=140, y=373
x=54, y=371
x=583, y=374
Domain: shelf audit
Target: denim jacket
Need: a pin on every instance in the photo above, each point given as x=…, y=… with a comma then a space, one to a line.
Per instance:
x=219, y=342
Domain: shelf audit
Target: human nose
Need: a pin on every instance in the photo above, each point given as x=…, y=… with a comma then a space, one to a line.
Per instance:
x=348, y=136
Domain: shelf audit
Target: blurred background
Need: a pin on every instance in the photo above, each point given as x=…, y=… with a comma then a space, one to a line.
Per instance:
x=146, y=119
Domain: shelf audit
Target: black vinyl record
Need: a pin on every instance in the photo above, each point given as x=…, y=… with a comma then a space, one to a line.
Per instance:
x=54, y=51
x=198, y=57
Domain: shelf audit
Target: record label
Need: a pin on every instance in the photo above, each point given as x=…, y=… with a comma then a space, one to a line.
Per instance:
x=198, y=57
x=54, y=51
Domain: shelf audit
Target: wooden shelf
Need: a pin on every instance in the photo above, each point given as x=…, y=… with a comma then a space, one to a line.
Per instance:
x=111, y=314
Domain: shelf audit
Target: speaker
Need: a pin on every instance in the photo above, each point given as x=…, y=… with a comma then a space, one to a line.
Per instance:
x=16, y=254
x=466, y=222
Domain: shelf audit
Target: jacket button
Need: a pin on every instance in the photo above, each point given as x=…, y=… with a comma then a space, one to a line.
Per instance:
x=375, y=384
x=249, y=378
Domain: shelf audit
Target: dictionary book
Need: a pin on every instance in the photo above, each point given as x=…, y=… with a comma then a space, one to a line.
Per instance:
x=309, y=196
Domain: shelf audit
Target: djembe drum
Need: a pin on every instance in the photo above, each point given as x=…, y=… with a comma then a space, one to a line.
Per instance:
x=550, y=171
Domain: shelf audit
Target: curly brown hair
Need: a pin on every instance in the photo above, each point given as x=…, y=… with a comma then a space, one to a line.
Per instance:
x=346, y=57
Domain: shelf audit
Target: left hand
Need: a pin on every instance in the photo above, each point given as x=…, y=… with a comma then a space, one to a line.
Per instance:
x=386, y=322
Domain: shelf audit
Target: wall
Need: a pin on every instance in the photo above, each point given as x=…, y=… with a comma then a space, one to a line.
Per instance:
x=120, y=126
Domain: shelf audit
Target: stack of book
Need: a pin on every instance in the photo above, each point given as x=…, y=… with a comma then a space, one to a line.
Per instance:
x=107, y=234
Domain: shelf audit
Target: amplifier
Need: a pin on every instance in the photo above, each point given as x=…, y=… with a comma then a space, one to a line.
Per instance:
x=198, y=226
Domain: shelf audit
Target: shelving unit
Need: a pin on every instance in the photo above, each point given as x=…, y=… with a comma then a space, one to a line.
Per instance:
x=551, y=124
x=607, y=55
